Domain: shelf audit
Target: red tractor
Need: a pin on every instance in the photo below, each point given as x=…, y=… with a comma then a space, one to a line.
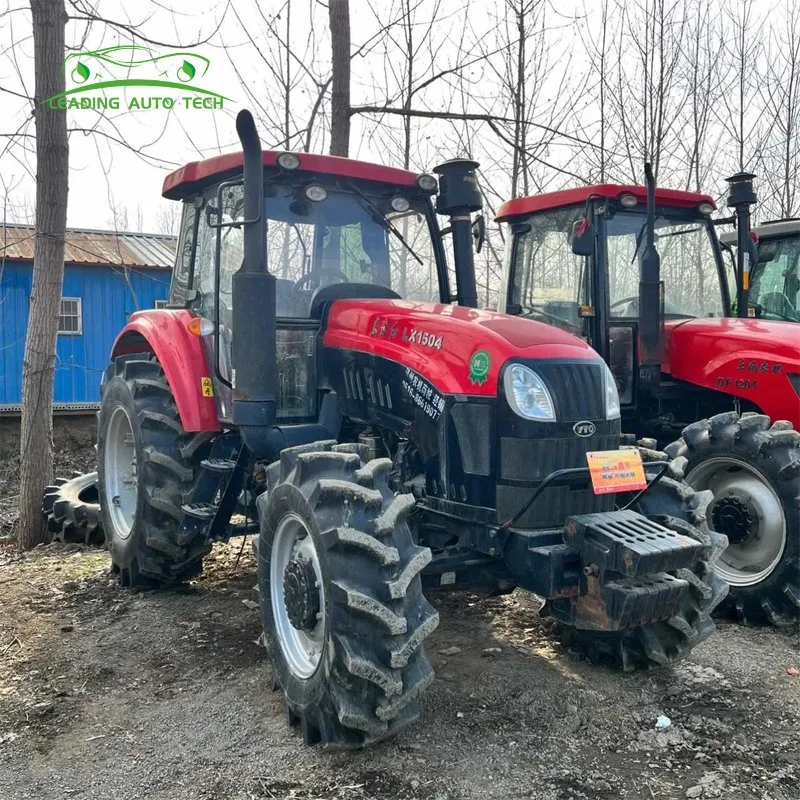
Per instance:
x=639, y=275
x=378, y=446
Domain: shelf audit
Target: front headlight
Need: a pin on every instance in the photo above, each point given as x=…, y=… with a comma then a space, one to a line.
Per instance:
x=527, y=394
x=612, y=395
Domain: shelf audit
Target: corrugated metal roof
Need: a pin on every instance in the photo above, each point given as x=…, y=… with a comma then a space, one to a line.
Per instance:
x=119, y=249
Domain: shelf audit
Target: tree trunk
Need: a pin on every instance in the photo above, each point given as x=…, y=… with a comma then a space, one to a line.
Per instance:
x=52, y=156
x=339, y=14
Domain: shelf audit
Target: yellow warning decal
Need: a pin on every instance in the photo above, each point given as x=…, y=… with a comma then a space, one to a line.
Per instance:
x=206, y=387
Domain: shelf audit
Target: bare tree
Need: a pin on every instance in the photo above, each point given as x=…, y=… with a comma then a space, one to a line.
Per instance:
x=779, y=88
x=339, y=15
x=52, y=159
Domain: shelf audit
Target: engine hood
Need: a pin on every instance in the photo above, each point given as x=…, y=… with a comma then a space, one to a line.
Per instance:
x=748, y=358
x=441, y=341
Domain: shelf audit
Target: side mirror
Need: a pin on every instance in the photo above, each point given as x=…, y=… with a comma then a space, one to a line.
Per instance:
x=581, y=239
x=479, y=232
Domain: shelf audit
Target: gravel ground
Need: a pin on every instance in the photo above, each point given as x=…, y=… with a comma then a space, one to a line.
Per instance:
x=106, y=693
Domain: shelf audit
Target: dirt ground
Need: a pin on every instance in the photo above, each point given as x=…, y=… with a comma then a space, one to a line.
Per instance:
x=107, y=693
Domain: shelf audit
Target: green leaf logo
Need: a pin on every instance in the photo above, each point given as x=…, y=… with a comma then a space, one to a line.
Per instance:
x=83, y=73
x=186, y=69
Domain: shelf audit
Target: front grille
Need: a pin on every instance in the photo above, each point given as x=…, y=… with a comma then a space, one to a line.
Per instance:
x=532, y=460
x=576, y=388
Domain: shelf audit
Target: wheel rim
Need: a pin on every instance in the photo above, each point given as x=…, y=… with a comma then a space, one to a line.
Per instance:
x=294, y=555
x=749, y=507
x=121, y=481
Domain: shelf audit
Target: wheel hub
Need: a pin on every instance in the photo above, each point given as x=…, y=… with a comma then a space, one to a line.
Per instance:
x=736, y=518
x=301, y=593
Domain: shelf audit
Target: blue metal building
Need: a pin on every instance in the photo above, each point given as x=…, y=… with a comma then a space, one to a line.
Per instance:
x=107, y=276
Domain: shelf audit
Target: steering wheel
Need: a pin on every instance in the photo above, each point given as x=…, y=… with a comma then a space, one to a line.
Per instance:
x=624, y=300
x=319, y=275
x=779, y=304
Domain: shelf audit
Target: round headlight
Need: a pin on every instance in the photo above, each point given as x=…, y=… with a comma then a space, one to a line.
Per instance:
x=627, y=200
x=316, y=193
x=400, y=204
x=705, y=208
x=527, y=394
x=427, y=183
x=288, y=160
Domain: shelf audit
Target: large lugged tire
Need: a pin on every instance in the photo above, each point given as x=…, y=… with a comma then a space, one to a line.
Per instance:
x=147, y=466
x=72, y=511
x=675, y=505
x=753, y=469
x=341, y=598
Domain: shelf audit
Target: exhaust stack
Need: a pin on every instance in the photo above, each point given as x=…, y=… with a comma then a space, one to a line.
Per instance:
x=650, y=310
x=253, y=356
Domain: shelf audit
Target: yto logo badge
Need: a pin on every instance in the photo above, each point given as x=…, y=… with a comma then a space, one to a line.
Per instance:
x=584, y=428
x=479, y=366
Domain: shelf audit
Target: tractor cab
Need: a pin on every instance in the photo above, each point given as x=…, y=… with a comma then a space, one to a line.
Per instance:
x=775, y=276
x=330, y=228
x=575, y=262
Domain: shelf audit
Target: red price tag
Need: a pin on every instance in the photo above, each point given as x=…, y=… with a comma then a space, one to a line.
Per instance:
x=616, y=471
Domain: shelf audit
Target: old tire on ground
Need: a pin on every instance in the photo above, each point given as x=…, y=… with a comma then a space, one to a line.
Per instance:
x=147, y=465
x=753, y=469
x=72, y=510
x=341, y=598
x=675, y=505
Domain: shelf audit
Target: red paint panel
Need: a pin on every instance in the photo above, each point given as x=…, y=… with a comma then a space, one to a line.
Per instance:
x=746, y=358
x=178, y=184
x=359, y=325
x=181, y=356
x=579, y=196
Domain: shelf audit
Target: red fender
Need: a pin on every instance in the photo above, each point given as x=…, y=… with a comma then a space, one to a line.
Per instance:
x=164, y=333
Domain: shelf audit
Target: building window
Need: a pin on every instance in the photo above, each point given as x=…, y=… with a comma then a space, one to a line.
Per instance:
x=70, y=319
x=161, y=303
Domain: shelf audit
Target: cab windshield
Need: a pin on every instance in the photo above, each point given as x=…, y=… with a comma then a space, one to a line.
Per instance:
x=689, y=265
x=775, y=280
x=339, y=237
x=549, y=282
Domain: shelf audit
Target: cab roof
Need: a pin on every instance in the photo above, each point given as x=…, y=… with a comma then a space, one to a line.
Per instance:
x=549, y=201
x=767, y=230
x=193, y=176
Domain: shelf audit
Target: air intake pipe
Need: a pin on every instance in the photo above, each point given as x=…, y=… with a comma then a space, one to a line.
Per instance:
x=253, y=355
x=459, y=196
x=742, y=195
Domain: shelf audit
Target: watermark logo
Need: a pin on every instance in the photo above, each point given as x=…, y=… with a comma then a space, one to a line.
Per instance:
x=99, y=80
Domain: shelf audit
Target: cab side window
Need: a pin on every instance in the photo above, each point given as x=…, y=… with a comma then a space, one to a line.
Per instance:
x=182, y=270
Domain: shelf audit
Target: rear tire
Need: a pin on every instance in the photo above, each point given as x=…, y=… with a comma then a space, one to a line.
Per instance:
x=72, y=510
x=341, y=598
x=753, y=468
x=147, y=467
x=675, y=505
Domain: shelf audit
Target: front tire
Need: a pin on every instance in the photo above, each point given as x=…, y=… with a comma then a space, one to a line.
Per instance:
x=146, y=466
x=341, y=598
x=753, y=469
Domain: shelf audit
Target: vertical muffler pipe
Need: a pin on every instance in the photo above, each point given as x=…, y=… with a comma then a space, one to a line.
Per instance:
x=650, y=311
x=253, y=356
x=460, y=196
x=742, y=195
